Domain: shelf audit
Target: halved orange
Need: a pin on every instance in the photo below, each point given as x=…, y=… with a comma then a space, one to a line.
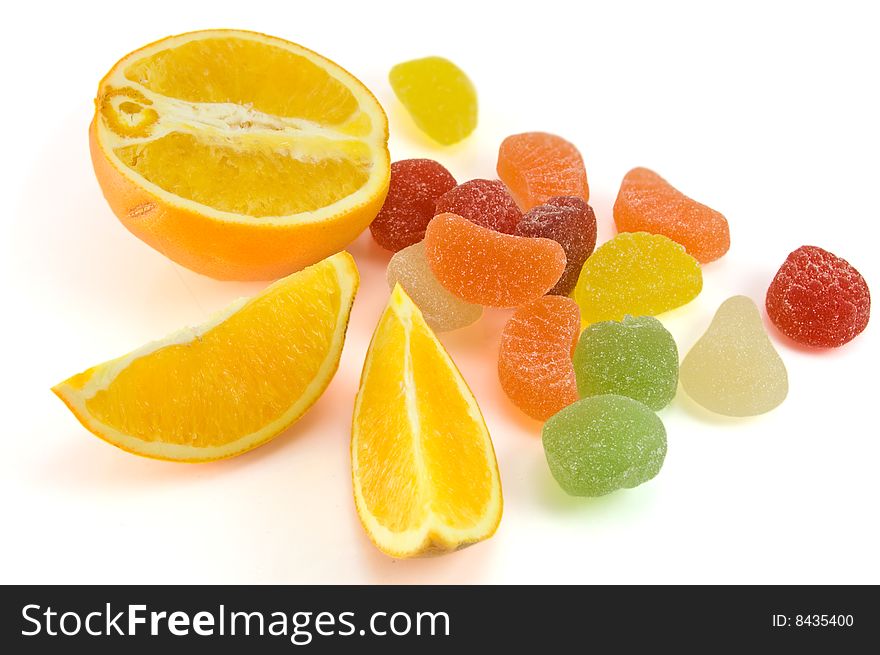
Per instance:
x=230, y=384
x=423, y=467
x=239, y=155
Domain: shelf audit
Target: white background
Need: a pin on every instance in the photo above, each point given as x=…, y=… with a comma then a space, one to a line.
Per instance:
x=765, y=111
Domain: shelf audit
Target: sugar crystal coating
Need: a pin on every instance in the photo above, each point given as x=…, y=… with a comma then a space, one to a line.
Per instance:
x=636, y=273
x=648, y=203
x=570, y=221
x=603, y=443
x=485, y=202
x=733, y=369
x=486, y=267
x=438, y=95
x=442, y=310
x=818, y=299
x=537, y=166
x=534, y=360
x=635, y=357
x=409, y=206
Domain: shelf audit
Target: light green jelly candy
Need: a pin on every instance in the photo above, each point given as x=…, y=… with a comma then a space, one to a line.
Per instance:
x=603, y=443
x=635, y=357
x=438, y=95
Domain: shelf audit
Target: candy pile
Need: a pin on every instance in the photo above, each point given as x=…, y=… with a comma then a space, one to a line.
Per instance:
x=582, y=351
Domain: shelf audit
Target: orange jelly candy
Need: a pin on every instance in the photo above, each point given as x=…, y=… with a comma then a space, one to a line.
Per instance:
x=486, y=267
x=648, y=203
x=536, y=166
x=534, y=362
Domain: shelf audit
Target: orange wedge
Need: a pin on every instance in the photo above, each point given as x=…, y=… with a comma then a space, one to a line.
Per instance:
x=230, y=384
x=424, y=470
x=239, y=155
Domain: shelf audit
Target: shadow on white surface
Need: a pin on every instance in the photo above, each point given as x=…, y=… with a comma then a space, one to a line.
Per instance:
x=694, y=410
x=471, y=565
x=617, y=505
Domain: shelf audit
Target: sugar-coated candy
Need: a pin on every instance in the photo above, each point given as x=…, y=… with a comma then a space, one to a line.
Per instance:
x=648, y=203
x=485, y=202
x=534, y=360
x=603, y=443
x=537, y=166
x=733, y=369
x=438, y=95
x=635, y=357
x=818, y=299
x=442, y=310
x=636, y=273
x=570, y=221
x=409, y=206
x=486, y=267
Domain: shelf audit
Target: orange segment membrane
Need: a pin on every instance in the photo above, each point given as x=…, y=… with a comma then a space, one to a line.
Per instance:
x=213, y=174
x=268, y=79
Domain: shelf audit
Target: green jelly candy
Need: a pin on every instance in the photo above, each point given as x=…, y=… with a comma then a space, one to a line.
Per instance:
x=603, y=443
x=635, y=357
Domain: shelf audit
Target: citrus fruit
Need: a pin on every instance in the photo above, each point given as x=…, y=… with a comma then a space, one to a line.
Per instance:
x=239, y=155
x=423, y=467
x=230, y=384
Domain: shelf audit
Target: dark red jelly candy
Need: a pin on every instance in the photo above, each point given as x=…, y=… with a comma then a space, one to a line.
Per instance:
x=484, y=202
x=569, y=221
x=409, y=206
x=818, y=299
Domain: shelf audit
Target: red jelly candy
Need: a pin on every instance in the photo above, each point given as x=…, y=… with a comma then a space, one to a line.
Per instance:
x=409, y=206
x=818, y=299
x=570, y=222
x=484, y=202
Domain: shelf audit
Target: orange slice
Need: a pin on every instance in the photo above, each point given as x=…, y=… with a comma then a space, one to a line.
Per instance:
x=239, y=155
x=424, y=470
x=230, y=384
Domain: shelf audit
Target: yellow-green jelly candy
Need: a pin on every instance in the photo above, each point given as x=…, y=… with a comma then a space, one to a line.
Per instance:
x=636, y=273
x=438, y=95
x=635, y=357
x=603, y=443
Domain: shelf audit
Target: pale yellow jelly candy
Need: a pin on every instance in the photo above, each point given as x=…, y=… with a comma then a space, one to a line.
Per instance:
x=442, y=310
x=636, y=273
x=733, y=369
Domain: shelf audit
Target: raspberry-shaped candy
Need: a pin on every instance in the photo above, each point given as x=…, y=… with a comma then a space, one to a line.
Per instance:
x=486, y=267
x=648, y=203
x=569, y=221
x=536, y=166
x=818, y=299
x=409, y=206
x=485, y=202
x=534, y=361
